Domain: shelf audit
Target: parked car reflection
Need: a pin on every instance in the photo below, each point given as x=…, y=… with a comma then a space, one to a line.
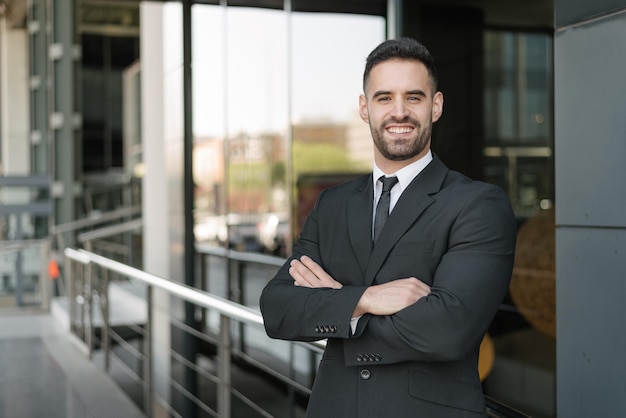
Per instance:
x=272, y=232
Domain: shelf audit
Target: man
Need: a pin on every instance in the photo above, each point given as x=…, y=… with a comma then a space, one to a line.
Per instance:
x=405, y=307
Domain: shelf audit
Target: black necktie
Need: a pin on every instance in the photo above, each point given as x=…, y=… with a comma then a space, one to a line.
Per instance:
x=382, y=208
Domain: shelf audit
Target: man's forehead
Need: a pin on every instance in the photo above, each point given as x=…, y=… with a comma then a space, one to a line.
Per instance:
x=396, y=72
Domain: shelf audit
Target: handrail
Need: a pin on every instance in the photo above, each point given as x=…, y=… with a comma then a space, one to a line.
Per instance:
x=18, y=247
x=227, y=309
x=95, y=219
x=94, y=291
x=247, y=257
x=112, y=230
x=188, y=293
x=21, y=244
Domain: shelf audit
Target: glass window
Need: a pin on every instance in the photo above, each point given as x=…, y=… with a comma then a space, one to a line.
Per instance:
x=518, y=118
x=330, y=141
x=274, y=105
x=518, y=157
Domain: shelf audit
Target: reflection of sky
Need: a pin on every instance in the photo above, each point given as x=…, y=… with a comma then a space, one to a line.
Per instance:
x=328, y=55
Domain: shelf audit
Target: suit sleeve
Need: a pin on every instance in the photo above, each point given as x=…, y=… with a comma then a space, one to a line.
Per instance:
x=304, y=314
x=469, y=284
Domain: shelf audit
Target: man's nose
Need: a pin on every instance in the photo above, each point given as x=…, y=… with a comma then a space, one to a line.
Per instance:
x=399, y=110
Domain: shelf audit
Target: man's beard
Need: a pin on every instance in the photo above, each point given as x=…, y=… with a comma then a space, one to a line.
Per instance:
x=408, y=148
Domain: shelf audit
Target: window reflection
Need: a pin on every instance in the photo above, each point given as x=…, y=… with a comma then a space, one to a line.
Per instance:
x=518, y=118
x=276, y=120
x=268, y=112
x=518, y=157
x=330, y=142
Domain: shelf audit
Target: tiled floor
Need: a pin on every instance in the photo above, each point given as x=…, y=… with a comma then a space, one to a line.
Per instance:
x=44, y=374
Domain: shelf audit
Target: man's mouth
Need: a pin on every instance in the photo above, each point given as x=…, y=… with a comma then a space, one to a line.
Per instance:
x=399, y=129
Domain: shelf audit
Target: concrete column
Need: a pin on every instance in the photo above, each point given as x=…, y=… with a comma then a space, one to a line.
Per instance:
x=156, y=190
x=590, y=166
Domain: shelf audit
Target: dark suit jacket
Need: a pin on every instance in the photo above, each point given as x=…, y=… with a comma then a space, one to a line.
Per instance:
x=456, y=235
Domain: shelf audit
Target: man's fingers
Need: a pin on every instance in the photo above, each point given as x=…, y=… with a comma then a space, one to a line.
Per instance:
x=314, y=268
x=306, y=272
x=301, y=274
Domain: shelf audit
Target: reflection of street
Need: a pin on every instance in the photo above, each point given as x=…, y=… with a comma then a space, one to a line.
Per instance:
x=238, y=230
x=265, y=232
x=272, y=232
x=246, y=282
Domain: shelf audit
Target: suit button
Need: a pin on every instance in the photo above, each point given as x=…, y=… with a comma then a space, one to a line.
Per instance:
x=359, y=358
x=317, y=329
x=378, y=357
x=333, y=328
x=365, y=374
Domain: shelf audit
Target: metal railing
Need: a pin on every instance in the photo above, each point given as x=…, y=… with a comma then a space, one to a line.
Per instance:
x=66, y=234
x=24, y=273
x=94, y=272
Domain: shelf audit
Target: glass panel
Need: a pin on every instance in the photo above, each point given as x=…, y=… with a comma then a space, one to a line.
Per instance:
x=209, y=123
x=518, y=118
x=330, y=141
x=256, y=79
x=517, y=81
x=518, y=157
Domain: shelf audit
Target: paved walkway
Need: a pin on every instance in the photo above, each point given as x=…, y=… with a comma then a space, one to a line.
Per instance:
x=44, y=374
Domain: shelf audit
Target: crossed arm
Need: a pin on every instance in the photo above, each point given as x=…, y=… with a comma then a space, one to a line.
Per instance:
x=383, y=299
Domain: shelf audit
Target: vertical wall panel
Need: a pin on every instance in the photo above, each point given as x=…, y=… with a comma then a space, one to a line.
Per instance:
x=590, y=151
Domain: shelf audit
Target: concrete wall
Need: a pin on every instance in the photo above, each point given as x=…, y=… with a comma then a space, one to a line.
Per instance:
x=590, y=152
x=14, y=91
x=156, y=238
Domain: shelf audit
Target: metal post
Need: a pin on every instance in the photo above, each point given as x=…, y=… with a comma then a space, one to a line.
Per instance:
x=394, y=19
x=71, y=296
x=19, y=261
x=39, y=135
x=62, y=53
x=147, y=358
x=190, y=348
x=104, y=302
x=224, y=369
x=45, y=281
x=203, y=285
x=88, y=295
x=238, y=297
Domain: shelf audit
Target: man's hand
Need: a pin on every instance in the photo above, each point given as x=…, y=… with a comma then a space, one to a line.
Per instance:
x=391, y=297
x=307, y=273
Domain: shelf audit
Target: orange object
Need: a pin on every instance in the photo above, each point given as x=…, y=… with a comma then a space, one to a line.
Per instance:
x=53, y=269
x=486, y=357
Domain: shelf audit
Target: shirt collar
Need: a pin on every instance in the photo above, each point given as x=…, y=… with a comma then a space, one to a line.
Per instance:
x=406, y=174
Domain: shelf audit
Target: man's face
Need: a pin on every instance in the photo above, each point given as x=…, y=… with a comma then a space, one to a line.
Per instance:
x=400, y=108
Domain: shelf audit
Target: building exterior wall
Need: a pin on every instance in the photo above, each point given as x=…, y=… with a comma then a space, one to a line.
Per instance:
x=590, y=166
x=155, y=199
x=14, y=92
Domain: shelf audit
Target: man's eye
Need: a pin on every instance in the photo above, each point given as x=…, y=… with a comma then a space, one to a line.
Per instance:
x=383, y=99
x=414, y=98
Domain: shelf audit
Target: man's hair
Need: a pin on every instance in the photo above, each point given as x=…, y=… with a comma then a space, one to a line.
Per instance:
x=406, y=49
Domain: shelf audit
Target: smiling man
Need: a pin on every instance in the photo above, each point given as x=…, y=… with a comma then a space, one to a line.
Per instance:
x=401, y=270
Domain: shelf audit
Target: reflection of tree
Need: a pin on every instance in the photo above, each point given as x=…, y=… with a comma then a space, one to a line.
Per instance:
x=278, y=173
x=248, y=186
x=311, y=157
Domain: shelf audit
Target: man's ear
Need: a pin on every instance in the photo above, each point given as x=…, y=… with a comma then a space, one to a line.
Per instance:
x=437, y=106
x=363, y=109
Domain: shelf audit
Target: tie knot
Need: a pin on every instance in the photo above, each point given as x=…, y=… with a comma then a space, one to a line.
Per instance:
x=388, y=182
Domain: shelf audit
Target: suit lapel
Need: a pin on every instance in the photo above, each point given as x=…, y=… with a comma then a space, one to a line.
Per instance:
x=414, y=200
x=360, y=221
